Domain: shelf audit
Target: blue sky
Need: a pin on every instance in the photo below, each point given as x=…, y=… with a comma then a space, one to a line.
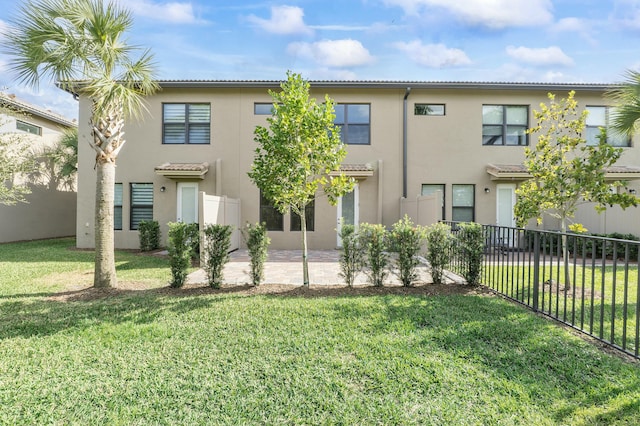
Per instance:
x=586, y=41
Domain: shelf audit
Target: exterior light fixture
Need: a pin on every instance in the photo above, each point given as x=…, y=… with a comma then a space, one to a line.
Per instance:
x=487, y=190
x=162, y=189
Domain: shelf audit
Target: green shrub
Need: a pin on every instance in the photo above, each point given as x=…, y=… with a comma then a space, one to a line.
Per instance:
x=351, y=256
x=470, y=246
x=255, y=236
x=217, y=241
x=193, y=235
x=149, y=233
x=373, y=240
x=179, y=253
x=439, y=243
x=406, y=241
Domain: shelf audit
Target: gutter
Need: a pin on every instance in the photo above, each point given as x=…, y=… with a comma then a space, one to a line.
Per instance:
x=404, y=141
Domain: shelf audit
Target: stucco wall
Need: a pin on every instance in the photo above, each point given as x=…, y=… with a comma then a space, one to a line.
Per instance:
x=441, y=150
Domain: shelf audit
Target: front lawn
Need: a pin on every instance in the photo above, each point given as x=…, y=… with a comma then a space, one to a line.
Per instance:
x=164, y=356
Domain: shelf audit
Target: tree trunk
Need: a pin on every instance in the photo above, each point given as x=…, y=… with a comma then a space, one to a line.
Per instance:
x=305, y=260
x=108, y=138
x=565, y=254
x=105, y=265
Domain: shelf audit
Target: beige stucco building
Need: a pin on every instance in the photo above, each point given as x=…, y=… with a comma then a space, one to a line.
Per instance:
x=404, y=140
x=50, y=208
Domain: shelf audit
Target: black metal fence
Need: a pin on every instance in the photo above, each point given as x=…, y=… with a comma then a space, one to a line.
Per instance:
x=589, y=283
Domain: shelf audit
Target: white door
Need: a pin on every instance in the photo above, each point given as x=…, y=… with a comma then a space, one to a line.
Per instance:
x=348, y=210
x=187, y=202
x=505, y=202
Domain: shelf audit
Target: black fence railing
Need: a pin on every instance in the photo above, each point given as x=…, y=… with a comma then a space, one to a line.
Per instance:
x=589, y=283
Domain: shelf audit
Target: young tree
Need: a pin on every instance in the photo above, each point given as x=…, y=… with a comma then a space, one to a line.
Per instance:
x=79, y=44
x=297, y=152
x=565, y=171
x=15, y=160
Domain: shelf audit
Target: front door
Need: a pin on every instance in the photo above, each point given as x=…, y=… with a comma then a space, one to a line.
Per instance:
x=506, y=201
x=348, y=211
x=187, y=202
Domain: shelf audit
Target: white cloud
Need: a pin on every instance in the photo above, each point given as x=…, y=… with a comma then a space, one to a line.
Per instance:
x=333, y=53
x=173, y=12
x=433, y=55
x=284, y=20
x=574, y=25
x=552, y=55
x=495, y=14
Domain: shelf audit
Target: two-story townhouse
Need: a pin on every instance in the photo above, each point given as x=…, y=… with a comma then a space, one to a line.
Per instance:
x=464, y=141
x=49, y=211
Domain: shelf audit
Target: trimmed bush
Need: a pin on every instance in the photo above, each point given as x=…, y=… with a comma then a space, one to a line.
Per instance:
x=439, y=243
x=193, y=235
x=179, y=253
x=406, y=241
x=217, y=241
x=470, y=246
x=149, y=233
x=373, y=241
x=351, y=255
x=255, y=236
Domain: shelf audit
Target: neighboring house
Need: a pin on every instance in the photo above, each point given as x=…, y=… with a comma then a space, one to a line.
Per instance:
x=50, y=210
x=404, y=139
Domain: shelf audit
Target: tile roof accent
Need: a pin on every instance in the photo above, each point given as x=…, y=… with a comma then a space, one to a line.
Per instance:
x=354, y=170
x=182, y=170
x=519, y=171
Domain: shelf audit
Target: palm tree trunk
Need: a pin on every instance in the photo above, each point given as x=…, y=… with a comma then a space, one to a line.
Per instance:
x=108, y=138
x=105, y=265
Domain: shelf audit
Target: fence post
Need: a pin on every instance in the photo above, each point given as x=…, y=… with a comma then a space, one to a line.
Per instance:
x=536, y=269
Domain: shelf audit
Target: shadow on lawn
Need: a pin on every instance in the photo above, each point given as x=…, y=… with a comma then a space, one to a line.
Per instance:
x=564, y=377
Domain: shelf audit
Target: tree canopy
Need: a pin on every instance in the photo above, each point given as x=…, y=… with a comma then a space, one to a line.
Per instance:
x=566, y=171
x=300, y=152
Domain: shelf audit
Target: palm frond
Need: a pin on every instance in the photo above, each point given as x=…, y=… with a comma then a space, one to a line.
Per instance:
x=626, y=115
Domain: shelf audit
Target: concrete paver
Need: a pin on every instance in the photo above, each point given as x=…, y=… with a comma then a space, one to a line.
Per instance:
x=285, y=267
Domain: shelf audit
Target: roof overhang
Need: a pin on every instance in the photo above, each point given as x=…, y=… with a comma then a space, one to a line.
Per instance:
x=354, y=170
x=508, y=172
x=520, y=172
x=183, y=170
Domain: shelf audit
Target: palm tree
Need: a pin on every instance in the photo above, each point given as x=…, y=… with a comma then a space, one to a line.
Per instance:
x=627, y=101
x=78, y=44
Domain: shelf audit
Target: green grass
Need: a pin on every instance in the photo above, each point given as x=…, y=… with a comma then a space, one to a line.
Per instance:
x=165, y=357
x=605, y=295
x=54, y=265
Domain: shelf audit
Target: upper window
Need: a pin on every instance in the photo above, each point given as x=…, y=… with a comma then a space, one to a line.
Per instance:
x=186, y=123
x=29, y=128
x=463, y=203
x=262, y=108
x=309, y=213
x=505, y=124
x=117, y=207
x=354, y=123
x=141, y=203
x=429, y=189
x=599, y=118
x=429, y=109
x=269, y=215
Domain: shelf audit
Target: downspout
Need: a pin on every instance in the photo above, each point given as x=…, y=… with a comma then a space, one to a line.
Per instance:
x=404, y=142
